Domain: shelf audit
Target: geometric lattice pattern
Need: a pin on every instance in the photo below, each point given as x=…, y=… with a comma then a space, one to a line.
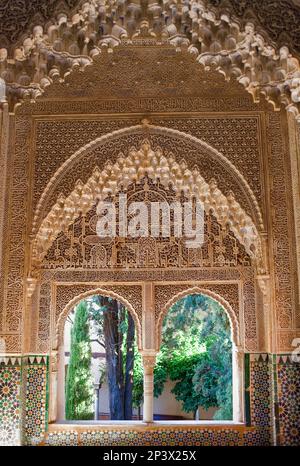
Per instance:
x=288, y=379
x=10, y=382
x=35, y=379
x=156, y=436
x=34, y=372
x=258, y=437
x=261, y=396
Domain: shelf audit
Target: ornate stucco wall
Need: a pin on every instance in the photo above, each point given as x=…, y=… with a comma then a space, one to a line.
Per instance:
x=247, y=155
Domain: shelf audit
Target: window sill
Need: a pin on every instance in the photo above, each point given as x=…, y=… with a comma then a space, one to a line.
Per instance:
x=115, y=425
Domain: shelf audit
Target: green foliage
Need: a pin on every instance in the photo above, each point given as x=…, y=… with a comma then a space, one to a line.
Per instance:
x=213, y=377
x=160, y=373
x=138, y=380
x=182, y=370
x=79, y=384
x=196, y=354
x=127, y=366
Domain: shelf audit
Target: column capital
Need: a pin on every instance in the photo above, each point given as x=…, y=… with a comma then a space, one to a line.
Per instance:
x=149, y=358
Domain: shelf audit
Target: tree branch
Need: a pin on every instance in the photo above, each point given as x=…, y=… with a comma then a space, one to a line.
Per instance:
x=99, y=342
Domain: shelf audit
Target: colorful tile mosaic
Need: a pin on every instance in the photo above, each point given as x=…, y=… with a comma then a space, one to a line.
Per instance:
x=28, y=376
x=58, y=439
x=147, y=436
x=35, y=414
x=10, y=383
x=259, y=437
x=260, y=390
x=288, y=380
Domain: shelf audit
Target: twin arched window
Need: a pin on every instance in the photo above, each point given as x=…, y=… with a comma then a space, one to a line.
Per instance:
x=103, y=374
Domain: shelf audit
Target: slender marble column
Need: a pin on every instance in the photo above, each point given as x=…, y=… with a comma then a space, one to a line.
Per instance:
x=61, y=383
x=237, y=383
x=149, y=364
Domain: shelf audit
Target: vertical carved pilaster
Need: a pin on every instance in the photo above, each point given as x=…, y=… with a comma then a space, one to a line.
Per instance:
x=57, y=385
x=238, y=383
x=294, y=146
x=148, y=325
x=4, y=138
x=148, y=349
x=30, y=322
x=264, y=285
x=149, y=360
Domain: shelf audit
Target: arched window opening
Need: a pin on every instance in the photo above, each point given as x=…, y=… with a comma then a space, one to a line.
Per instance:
x=101, y=361
x=193, y=374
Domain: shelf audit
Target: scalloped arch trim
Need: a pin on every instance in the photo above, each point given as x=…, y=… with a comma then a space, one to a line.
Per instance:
x=133, y=167
x=215, y=39
x=101, y=292
x=235, y=334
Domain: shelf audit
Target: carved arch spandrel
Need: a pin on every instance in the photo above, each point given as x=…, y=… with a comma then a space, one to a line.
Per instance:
x=144, y=130
x=162, y=309
x=169, y=170
x=59, y=328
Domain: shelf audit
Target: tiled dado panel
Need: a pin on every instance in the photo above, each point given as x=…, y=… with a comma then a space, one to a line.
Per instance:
x=287, y=377
x=10, y=400
x=273, y=399
x=35, y=398
x=150, y=436
x=258, y=399
x=23, y=399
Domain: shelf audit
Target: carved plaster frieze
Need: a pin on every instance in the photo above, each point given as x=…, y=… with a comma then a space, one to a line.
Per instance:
x=275, y=19
x=134, y=167
x=100, y=26
x=59, y=167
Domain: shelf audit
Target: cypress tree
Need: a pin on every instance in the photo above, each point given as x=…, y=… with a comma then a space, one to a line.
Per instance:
x=79, y=383
x=117, y=332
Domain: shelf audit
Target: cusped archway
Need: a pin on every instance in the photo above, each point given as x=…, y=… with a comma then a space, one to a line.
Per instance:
x=196, y=290
x=236, y=337
x=58, y=374
x=59, y=331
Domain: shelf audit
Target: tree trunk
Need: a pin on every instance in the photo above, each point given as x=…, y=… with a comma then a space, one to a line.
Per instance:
x=129, y=368
x=120, y=386
x=114, y=359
